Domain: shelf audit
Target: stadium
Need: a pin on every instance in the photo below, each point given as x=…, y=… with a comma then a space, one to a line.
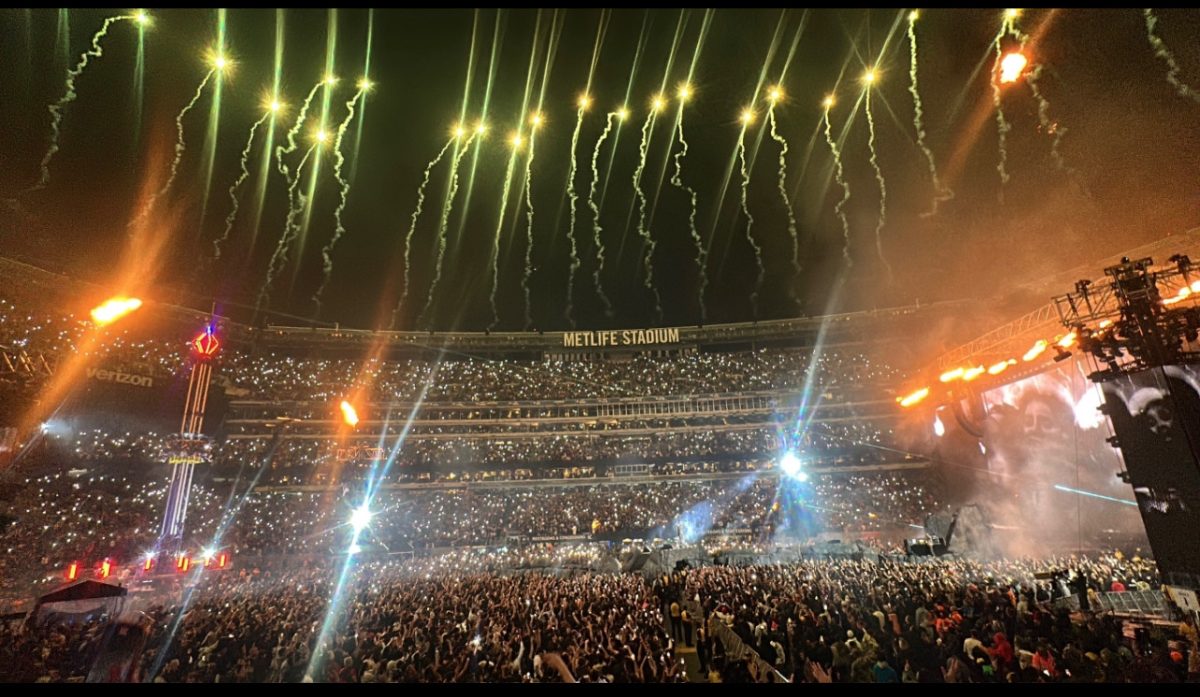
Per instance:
x=294, y=465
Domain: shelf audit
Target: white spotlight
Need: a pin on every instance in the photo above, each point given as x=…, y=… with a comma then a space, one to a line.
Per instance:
x=360, y=518
x=790, y=464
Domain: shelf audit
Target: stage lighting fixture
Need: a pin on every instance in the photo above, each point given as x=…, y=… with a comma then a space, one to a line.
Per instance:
x=792, y=467
x=360, y=518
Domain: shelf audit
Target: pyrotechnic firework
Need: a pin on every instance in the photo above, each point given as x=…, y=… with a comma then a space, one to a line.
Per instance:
x=218, y=63
x=56, y=109
x=412, y=227
x=339, y=161
x=870, y=80
x=620, y=115
x=657, y=105
x=697, y=240
x=573, y=198
x=1161, y=50
x=535, y=123
x=747, y=119
x=774, y=96
x=272, y=108
x=840, y=177
x=444, y=220
x=941, y=192
x=515, y=141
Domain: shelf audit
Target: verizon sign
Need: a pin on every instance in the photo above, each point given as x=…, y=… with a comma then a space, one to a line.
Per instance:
x=117, y=376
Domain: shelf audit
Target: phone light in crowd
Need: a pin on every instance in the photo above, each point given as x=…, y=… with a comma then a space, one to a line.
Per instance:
x=1038, y=348
x=105, y=569
x=114, y=309
x=951, y=375
x=73, y=571
x=349, y=413
x=360, y=518
x=914, y=398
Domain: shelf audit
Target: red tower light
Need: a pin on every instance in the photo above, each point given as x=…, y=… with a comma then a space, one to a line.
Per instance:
x=206, y=344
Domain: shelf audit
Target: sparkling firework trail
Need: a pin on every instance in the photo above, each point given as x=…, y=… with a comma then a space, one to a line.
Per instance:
x=758, y=257
x=508, y=177
x=701, y=252
x=291, y=146
x=56, y=109
x=648, y=254
x=290, y=229
x=1002, y=125
x=528, y=233
x=573, y=197
x=444, y=222
x=596, y=228
x=941, y=192
x=412, y=227
x=585, y=101
x=180, y=146
x=339, y=161
x=233, y=197
x=839, y=176
x=1048, y=126
x=882, y=187
x=787, y=202
x=62, y=35
x=1161, y=50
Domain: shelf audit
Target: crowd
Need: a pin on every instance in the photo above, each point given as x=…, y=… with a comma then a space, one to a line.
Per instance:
x=60, y=519
x=459, y=378
x=418, y=621
x=657, y=442
x=559, y=615
x=466, y=379
x=847, y=391
x=941, y=621
x=487, y=556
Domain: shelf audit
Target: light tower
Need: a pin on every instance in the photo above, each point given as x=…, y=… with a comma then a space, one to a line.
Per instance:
x=190, y=445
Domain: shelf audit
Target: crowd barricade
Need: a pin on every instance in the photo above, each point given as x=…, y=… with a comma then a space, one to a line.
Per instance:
x=735, y=648
x=1149, y=603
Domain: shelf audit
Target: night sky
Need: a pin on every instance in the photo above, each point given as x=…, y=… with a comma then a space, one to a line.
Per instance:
x=1130, y=155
